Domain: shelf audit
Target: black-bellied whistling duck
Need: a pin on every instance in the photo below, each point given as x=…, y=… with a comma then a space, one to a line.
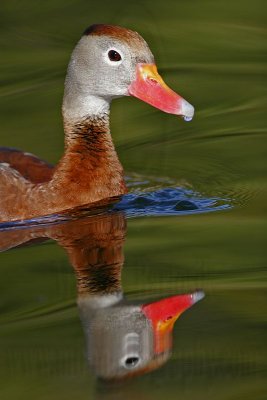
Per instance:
x=108, y=62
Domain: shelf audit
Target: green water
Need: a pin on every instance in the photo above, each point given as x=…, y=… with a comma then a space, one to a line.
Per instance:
x=214, y=54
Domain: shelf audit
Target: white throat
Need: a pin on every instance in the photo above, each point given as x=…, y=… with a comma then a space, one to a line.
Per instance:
x=99, y=300
x=78, y=106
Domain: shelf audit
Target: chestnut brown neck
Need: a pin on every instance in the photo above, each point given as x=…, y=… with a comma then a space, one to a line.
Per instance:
x=90, y=165
x=87, y=132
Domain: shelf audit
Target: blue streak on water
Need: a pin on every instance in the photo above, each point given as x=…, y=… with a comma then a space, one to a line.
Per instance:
x=32, y=222
x=169, y=201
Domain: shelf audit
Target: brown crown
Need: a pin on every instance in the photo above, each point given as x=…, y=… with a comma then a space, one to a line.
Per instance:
x=113, y=31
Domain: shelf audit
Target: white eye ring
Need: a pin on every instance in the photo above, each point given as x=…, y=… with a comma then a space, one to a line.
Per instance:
x=111, y=62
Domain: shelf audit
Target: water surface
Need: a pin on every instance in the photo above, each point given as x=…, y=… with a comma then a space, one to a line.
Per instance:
x=214, y=54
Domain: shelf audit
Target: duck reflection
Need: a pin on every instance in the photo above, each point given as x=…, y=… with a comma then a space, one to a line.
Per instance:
x=123, y=339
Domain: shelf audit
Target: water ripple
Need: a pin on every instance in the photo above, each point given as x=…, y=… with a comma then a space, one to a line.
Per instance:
x=169, y=201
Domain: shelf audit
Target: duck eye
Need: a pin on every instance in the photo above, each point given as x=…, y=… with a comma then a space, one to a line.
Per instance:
x=131, y=362
x=113, y=55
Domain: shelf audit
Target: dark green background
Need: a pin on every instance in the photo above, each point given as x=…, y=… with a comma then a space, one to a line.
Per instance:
x=214, y=54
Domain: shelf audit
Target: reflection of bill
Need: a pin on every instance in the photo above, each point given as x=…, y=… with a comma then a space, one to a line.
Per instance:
x=122, y=339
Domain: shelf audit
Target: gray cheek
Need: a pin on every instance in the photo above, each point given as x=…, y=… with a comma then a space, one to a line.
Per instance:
x=126, y=74
x=116, y=79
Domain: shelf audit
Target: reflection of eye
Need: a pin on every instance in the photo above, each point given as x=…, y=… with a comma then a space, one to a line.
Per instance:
x=113, y=55
x=131, y=362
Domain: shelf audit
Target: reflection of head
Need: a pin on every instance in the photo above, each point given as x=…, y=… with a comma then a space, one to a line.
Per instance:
x=119, y=341
x=126, y=340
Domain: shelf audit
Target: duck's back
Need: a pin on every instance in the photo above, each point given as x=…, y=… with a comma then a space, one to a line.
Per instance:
x=19, y=173
x=27, y=165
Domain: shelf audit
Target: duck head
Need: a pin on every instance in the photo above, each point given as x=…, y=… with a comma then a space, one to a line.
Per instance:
x=110, y=62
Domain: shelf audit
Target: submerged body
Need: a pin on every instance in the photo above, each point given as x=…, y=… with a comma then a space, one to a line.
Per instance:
x=108, y=62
